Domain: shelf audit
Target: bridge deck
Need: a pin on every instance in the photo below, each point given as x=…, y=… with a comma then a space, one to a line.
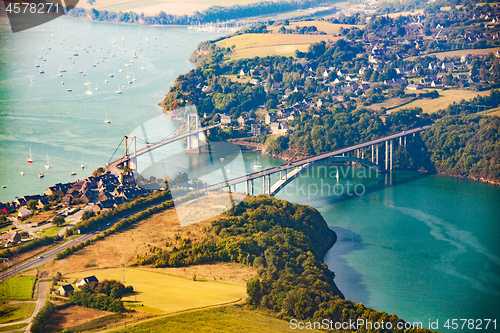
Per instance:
x=312, y=160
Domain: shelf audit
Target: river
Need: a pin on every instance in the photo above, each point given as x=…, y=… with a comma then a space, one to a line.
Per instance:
x=424, y=247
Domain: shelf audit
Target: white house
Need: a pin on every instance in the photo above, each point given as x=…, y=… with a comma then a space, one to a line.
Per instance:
x=24, y=212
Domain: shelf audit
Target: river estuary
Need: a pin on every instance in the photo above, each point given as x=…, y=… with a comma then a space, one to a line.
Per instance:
x=424, y=247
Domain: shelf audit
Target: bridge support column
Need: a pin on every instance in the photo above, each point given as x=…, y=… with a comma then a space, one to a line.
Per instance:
x=377, y=153
x=405, y=141
x=264, y=185
x=386, y=155
x=269, y=184
x=357, y=153
x=252, y=186
x=248, y=190
x=400, y=140
x=363, y=153
x=372, y=154
x=391, y=156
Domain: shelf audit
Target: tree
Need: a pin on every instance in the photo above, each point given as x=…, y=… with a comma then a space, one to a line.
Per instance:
x=58, y=220
x=32, y=204
x=87, y=214
x=99, y=171
x=253, y=291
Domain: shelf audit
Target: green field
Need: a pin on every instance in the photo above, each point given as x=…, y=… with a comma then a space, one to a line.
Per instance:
x=17, y=288
x=261, y=45
x=167, y=294
x=49, y=232
x=217, y=320
x=446, y=98
x=12, y=327
x=11, y=312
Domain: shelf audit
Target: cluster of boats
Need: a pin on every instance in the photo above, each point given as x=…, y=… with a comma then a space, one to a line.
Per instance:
x=47, y=166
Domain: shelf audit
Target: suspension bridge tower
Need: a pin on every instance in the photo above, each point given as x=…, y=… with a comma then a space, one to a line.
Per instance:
x=193, y=141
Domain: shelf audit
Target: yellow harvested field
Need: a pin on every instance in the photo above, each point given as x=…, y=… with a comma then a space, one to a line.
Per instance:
x=459, y=53
x=329, y=28
x=262, y=45
x=491, y=112
x=153, y=7
x=168, y=293
x=446, y=98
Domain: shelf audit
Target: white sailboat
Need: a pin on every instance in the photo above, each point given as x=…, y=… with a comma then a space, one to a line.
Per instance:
x=118, y=92
x=257, y=165
x=89, y=92
x=47, y=166
x=30, y=160
x=107, y=121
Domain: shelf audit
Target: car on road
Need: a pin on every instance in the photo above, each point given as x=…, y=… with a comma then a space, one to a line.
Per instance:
x=40, y=257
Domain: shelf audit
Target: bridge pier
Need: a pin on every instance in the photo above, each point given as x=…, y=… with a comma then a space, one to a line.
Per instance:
x=386, y=155
x=269, y=184
x=252, y=186
x=363, y=153
x=405, y=141
x=372, y=154
x=264, y=185
x=376, y=146
x=391, y=155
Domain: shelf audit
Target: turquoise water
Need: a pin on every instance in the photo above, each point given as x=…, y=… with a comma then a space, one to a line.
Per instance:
x=69, y=126
x=423, y=247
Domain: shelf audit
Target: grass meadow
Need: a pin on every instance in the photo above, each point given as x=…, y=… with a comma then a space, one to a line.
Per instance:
x=17, y=288
x=225, y=319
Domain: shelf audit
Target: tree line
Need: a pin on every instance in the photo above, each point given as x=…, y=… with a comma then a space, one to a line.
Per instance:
x=211, y=14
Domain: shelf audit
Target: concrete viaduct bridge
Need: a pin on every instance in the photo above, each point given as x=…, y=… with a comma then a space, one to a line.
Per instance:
x=292, y=170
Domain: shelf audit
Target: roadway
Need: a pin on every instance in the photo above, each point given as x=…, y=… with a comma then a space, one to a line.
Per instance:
x=50, y=254
x=313, y=159
x=112, y=165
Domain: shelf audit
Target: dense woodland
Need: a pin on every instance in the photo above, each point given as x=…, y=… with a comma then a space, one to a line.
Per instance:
x=286, y=243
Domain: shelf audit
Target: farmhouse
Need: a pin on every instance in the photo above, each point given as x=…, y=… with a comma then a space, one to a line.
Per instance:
x=66, y=290
x=86, y=280
x=11, y=237
x=24, y=212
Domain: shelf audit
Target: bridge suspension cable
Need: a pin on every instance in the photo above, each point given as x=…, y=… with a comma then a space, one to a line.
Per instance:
x=111, y=158
x=150, y=143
